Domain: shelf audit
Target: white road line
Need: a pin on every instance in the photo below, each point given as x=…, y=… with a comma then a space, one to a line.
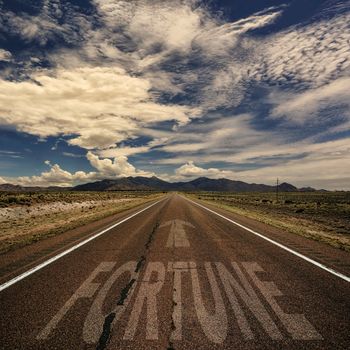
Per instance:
x=51, y=260
x=316, y=263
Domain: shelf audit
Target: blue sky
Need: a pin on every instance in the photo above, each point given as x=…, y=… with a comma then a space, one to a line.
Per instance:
x=247, y=90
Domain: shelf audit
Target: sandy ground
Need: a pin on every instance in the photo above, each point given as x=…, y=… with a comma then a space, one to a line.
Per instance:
x=310, y=228
x=24, y=212
x=22, y=225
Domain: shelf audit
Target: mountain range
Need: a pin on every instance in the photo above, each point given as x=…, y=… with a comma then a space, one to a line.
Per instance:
x=156, y=184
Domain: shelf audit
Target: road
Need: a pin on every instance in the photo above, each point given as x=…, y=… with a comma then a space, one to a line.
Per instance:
x=178, y=276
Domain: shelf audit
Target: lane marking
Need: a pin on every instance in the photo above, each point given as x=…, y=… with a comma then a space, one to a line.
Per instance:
x=53, y=259
x=304, y=257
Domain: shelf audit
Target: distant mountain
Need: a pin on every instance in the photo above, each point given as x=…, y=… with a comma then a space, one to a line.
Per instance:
x=286, y=187
x=141, y=183
x=17, y=188
x=200, y=184
x=308, y=189
x=10, y=188
x=125, y=183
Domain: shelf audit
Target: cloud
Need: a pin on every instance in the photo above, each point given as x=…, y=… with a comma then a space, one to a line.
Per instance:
x=30, y=28
x=219, y=39
x=217, y=138
x=190, y=170
x=123, y=151
x=132, y=70
x=10, y=154
x=306, y=55
x=304, y=106
x=101, y=106
x=2, y=181
x=120, y=167
x=5, y=55
x=56, y=176
x=235, y=141
x=52, y=23
x=72, y=155
x=105, y=169
x=163, y=38
x=170, y=25
x=320, y=169
x=311, y=169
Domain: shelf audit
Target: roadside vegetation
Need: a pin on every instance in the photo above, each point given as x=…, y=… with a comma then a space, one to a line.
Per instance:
x=322, y=216
x=32, y=216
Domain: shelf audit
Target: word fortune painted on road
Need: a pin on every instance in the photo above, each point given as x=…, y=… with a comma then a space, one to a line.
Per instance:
x=241, y=287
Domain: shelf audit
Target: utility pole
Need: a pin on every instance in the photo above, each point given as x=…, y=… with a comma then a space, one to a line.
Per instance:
x=277, y=190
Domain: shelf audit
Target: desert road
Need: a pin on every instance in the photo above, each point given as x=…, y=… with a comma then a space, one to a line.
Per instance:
x=176, y=274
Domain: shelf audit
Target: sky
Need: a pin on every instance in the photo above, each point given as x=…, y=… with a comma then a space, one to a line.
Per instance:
x=247, y=90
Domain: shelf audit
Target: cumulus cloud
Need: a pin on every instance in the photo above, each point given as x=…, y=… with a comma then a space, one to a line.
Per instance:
x=191, y=171
x=56, y=176
x=119, y=167
x=105, y=168
x=101, y=106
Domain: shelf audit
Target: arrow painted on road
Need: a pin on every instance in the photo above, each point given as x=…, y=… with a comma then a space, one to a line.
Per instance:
x=177, y=235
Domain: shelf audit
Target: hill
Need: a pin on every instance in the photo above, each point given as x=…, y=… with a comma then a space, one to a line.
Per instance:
x=17, y=188
x=200, y=184
x=141, y=183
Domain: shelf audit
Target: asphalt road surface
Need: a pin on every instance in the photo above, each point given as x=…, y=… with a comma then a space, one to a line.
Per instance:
x=177, y=276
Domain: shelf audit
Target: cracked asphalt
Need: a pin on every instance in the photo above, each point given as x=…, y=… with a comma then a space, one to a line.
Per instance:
x=178, y=277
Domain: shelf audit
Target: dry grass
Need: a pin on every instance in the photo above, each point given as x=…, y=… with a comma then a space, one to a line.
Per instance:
x=321, y=216
x=29, y=217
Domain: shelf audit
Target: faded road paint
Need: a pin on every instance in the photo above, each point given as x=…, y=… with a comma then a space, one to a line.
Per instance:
x=177, y=235
x=149, y=289
x=86, y=290
x=96, y=318
x=225, y=282
x=214, y=324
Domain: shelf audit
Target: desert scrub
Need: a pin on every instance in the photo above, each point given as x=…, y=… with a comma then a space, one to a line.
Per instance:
x=322, y=216
x=57, y=213
x=19, y=198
